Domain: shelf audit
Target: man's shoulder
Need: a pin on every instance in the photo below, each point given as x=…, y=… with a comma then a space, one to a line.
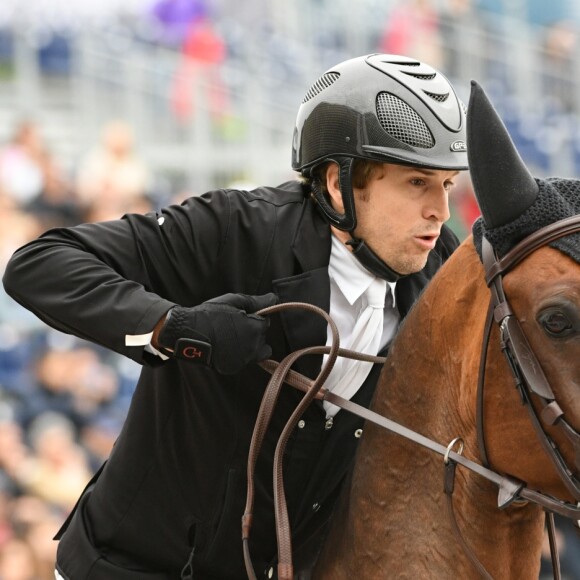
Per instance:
x=257, y=207
x=290, y=192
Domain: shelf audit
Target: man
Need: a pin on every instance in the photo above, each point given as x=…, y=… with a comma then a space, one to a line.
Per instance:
x=378, y=142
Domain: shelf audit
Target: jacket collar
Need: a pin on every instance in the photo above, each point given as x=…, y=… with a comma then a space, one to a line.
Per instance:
x=311, y=248
x=311, y=244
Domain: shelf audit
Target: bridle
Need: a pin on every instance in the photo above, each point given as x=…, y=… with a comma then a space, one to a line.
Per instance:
x=528, y=374
x=529, y=378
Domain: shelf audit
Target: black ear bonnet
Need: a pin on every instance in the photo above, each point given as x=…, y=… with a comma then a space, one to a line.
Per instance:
x=513, y=203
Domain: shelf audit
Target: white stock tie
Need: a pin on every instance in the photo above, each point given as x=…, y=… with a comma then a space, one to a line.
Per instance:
x=348, y=375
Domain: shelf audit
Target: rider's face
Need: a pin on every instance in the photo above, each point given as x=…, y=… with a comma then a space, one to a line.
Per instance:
x=399, y=213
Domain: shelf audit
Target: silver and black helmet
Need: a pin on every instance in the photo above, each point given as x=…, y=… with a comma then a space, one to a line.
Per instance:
x=381, y=107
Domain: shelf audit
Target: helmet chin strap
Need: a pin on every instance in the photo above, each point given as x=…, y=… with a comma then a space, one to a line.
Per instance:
x=347, y=221
x=371, y=261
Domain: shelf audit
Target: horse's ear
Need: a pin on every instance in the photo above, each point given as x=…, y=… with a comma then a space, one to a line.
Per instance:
x=503, y=185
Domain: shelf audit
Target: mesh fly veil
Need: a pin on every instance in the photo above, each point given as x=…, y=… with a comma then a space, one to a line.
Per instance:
x=513, y=203
x=557, y=199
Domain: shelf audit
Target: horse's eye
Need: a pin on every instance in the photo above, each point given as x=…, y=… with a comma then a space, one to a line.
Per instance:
x=556, y=323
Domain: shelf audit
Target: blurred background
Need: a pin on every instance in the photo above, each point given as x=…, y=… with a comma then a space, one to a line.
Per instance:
x=115, y=106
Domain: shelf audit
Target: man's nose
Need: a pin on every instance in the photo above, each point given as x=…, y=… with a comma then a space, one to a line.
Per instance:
x=438, y=206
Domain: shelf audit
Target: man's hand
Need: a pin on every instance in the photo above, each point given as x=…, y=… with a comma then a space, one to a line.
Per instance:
x=222, y=333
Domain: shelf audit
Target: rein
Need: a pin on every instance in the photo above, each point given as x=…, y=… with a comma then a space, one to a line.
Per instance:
x=529, y=380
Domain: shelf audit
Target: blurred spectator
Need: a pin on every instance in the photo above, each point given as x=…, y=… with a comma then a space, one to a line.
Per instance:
x=173, y=18
x=32, y=180
x=560, y=75
x=6, y=531
x=21, y=175
x=112, y=178
x=54, y=53
x=457, y=23
x=18, y=561
x=56, y=205
x=13, y=450
x=55, y=468
x=39, y=536
x=75, y=382
x=202, y=53
x=187, y=26
x=412, y=29
x=16, y=227
x=98, y=438
x=37, y=522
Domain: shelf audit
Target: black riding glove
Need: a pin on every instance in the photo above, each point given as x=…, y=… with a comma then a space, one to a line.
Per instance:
x=222, y=332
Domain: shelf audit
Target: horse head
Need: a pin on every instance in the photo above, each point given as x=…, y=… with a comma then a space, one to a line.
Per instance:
x=543, y=293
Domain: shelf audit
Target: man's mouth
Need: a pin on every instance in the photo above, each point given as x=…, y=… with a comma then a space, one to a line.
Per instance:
x=427, y=241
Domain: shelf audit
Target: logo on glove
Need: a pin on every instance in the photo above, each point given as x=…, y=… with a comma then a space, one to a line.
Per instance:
x=193, y=350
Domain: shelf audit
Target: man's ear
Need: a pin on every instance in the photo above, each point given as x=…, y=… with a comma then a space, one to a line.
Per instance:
x=333, y=187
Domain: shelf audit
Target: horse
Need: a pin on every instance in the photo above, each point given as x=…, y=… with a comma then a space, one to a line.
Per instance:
x=499, y=401
x=393, y=519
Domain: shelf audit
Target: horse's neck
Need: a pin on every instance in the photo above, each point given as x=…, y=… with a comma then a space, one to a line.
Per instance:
x=430, y=378
x=396, y=524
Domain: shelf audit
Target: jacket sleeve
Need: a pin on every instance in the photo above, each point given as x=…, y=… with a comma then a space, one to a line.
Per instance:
x=106, y=281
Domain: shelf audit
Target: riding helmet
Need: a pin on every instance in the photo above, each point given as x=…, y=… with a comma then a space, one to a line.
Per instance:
x=381, y=107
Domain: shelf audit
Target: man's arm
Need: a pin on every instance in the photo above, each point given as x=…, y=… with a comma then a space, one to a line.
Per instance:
x=109, y=281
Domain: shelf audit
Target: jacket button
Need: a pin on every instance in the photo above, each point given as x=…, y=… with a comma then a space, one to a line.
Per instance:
x=301, y=424
x=315, y=507
x=358, y=433
x=328, y=424
x=270, y=572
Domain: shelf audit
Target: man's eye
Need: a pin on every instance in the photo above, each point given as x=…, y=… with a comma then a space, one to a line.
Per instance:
x=418, y=181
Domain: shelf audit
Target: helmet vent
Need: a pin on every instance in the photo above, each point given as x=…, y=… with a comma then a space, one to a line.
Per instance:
x=322, y=83
x=440, y=98
x=402, y=122
x=399, y=63
x=420, y=76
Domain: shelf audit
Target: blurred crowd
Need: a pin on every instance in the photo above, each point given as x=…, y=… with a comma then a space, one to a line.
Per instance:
x=62, y=400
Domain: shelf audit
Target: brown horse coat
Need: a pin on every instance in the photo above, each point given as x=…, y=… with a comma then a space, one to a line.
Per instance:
x=393, y=522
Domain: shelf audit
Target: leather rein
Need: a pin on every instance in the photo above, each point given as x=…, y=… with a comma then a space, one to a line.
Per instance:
x=529, y=380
